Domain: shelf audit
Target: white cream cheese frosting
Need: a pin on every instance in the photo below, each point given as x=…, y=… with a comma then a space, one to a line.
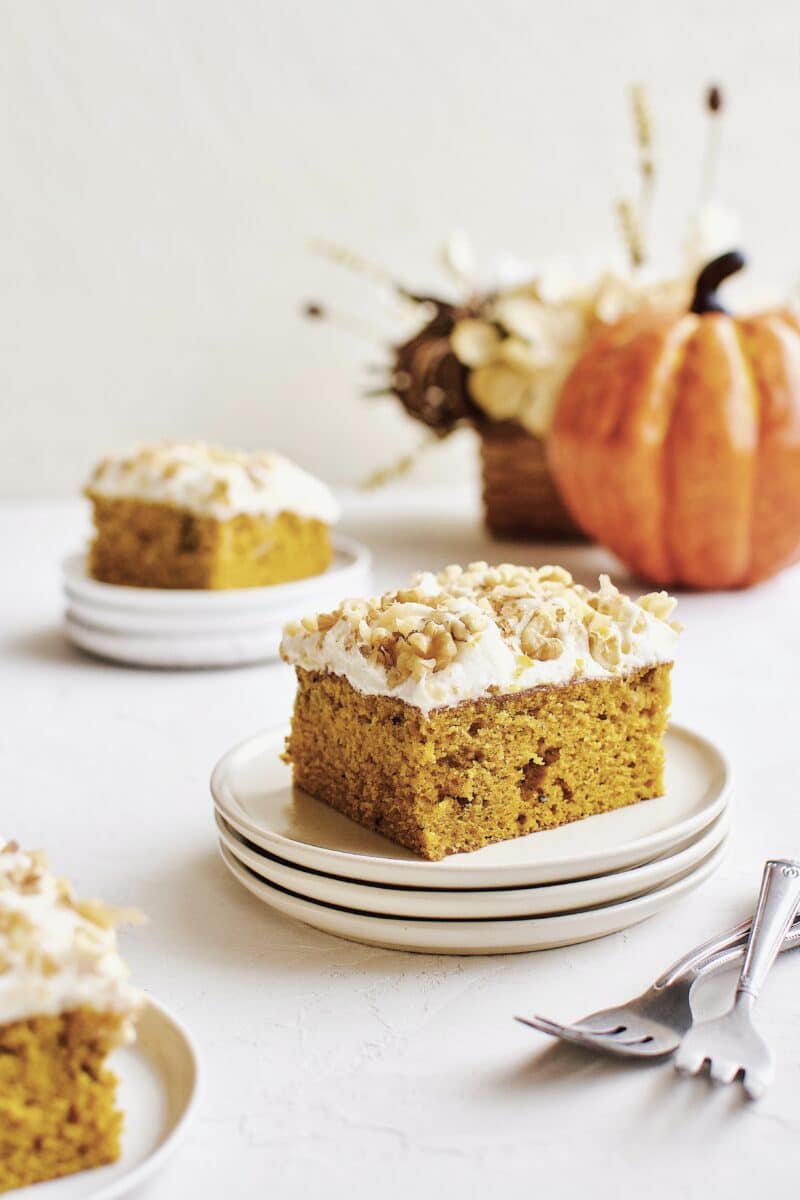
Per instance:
x=470, y=632
x=57, y=953
x=212, y=482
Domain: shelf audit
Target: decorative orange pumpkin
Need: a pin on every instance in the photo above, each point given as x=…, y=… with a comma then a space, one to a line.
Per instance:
x=676, y=441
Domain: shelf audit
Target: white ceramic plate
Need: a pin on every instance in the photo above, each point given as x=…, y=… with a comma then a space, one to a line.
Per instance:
x=157, y=1090
x=252, y=790
x=348, y=575
x=171, y=651
x=159, y=627
x=128, y=622
x=497, y=903
x=473, y=937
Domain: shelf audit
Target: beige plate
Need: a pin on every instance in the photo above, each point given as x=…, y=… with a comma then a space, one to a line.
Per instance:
x=495, y=903
x=348, y=575
x=473, y=937
x=252, y=790
x=171, y=652
x=184, y=629
x=157, y=1091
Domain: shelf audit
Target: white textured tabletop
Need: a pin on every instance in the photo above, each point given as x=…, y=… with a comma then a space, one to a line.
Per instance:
x=339, y=1070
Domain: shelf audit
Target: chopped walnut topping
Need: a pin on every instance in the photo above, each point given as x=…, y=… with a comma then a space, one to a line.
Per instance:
x=106, y=916
x=660, y=604
x=46, y=935
x=408, y=632
x=532, y=615
x=213, y=481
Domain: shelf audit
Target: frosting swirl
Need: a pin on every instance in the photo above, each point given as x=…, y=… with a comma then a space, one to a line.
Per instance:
x=470, y=632
x=56, y=953
x=213, y=482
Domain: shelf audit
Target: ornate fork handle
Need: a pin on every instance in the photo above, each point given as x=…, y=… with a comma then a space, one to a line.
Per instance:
x=777, y=905
x=722, y=948
x=724, y=958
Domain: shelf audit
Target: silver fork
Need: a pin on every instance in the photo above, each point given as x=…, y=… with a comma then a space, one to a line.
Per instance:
x=653, y=1024
x=730, y=1044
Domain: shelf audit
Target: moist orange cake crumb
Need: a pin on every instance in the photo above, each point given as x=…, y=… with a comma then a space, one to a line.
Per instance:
x=482, y=704
x=58, y=1109
x=65, y=1004
x=195, y=516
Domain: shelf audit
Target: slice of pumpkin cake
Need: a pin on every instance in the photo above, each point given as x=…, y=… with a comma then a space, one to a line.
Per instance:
x=65, y=1005
x=188, y=515
x=480, y=704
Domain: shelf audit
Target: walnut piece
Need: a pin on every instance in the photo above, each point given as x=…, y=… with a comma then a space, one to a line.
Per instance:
x=419, y=631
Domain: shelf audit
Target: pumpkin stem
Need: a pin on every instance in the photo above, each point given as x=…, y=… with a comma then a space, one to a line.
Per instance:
x=712, y=275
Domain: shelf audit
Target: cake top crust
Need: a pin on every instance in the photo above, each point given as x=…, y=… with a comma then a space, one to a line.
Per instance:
x=56, y=953
x=213, y=482
x=482, y=630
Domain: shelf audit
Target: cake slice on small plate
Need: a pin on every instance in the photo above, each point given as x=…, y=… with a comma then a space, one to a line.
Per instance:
x=188, y=515
x=65, y=1004
x=481, y=704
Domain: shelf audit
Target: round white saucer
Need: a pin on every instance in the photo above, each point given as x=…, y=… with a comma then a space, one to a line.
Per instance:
x=494, y=903
x=252, y=789
x=157, y=1089
x=171, y=651
x=473, y=937
x=130, y=622
x=349, y=574
x=159, y=627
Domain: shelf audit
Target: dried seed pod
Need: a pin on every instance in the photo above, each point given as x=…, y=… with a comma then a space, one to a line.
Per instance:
x=428, y=379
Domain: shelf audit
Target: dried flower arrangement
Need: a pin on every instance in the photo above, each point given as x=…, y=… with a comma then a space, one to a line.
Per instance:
x=497, y=360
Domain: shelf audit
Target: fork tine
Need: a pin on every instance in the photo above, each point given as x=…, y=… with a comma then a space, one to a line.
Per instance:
x=565, y=1033
x=642, y=1045
x=601, y=1023
x=723, y=1070
x=754, y=1084
x=601, y=1029
x=640, y=1039
x=543, y=1025
x=689, y=1062
x=646, y=1051
x=584, y=1029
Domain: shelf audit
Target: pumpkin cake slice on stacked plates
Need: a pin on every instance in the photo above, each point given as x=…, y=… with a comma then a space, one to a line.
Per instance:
x=481, y=704
x=189, y=515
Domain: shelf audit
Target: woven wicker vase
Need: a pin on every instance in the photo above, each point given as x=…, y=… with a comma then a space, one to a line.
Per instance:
x=519, y=495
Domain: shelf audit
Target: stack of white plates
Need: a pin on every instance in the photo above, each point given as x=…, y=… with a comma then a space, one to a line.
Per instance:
x=157, y=627
x=558, y=887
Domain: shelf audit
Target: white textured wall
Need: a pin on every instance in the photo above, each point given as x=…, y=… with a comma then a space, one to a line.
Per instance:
x=164, y=163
